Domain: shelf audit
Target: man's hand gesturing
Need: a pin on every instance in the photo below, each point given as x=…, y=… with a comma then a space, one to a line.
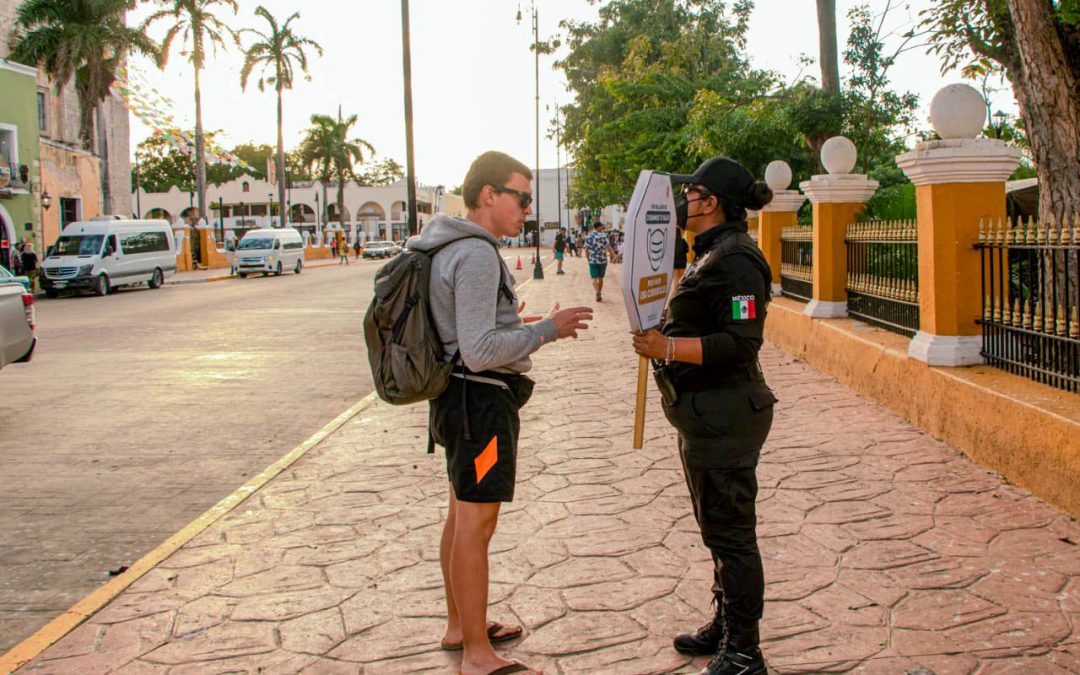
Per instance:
x=570, y=321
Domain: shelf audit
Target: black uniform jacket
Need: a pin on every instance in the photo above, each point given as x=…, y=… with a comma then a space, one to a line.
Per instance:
x=724, y=408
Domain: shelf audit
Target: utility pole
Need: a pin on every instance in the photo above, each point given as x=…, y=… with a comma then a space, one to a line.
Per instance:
x=410, y=167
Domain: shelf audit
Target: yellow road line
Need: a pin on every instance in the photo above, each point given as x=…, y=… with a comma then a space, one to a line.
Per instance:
x=33, y=646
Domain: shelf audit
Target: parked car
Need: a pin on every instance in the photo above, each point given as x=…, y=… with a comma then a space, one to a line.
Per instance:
x=270, y=251
x=17, y=323
x=101, y=254
x=381, y=249
x=6, y=277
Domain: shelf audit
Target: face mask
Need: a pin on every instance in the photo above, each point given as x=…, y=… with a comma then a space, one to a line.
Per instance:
x=681, y=206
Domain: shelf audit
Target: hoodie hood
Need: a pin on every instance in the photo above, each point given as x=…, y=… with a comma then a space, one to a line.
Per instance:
x=443, y=229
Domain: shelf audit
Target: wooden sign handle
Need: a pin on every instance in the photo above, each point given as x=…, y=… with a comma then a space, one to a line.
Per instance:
x=639, y=411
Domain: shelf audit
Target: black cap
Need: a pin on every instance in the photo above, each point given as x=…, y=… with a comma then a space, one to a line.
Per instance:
x=726, y=179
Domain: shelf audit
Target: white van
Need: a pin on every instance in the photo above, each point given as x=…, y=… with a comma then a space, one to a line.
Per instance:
x=100, y=255
x=270, y=251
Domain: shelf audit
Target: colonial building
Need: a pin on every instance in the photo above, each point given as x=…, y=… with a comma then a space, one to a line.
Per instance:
x=370, y=213
x=64, y=182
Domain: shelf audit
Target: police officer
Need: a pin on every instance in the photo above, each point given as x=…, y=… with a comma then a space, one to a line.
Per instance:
x=716, y=398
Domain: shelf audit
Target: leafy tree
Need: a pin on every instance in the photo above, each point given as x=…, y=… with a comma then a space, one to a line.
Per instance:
x=276, y=52
x=385, y=172
x=84, y=42
x=162, y=166
x=637, y=74
x=1036, y=45
x=195, y=23
x=326, y=147
x=872, y=110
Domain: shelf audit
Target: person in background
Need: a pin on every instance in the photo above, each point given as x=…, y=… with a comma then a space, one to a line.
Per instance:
x=599, y=248
x=560, y=248
x=356, y=247
x=30, y=264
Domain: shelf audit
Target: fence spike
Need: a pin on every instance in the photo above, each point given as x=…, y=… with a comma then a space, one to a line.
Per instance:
x=1062, y=321
x=987, y=313
x=1074, y=323
x=1037, y=318
x=982, y=231
x=1026, y=318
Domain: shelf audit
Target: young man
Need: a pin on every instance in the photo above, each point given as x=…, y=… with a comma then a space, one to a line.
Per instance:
x=560, y=248
x=477, y=315
x=598, y=248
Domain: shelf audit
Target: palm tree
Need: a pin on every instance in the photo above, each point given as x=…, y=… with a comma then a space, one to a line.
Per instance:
x=84, y=42
x=830, y=67
x=194, y=22
x=327, y=147
x=276, y=52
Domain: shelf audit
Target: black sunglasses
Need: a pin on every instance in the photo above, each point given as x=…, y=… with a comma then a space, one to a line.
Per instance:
x=524, y=198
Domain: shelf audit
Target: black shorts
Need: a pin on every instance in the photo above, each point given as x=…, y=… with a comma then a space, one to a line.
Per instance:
x=477, y=422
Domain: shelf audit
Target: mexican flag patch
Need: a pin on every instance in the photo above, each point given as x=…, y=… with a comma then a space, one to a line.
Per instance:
x=742, y=308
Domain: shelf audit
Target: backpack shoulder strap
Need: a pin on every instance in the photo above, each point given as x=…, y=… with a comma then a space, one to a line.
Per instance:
x=504, y=288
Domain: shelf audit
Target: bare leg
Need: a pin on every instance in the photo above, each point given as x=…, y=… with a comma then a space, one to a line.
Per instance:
x=474, y=526
x=446, y=546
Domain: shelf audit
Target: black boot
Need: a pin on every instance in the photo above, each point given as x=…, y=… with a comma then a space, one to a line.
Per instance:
x=705, y=640
x=739, y=656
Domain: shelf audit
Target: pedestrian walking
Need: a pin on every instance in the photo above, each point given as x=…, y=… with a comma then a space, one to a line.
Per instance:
x=476, y=419
x=560, y=249
x=29, y=262
x=333, y=247
x=571, y=244
x=715, y=395
x=356, y=247
x=599, y=248
x=343, y=253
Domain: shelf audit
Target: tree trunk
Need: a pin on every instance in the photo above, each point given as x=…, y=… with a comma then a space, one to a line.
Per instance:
x=1048, y=92
x=200, y=151
x=103, y=155
x=341, y=200
x=828, y=55
x=282, y=177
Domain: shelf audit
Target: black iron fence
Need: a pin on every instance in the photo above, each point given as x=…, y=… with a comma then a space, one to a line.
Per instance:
x=1031, y=300
x=797, y=263
x=883, y=274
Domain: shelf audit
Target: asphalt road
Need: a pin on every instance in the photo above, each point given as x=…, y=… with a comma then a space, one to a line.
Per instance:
x=142, y=409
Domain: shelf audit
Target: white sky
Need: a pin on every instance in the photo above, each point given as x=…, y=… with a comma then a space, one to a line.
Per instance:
x=473, y=74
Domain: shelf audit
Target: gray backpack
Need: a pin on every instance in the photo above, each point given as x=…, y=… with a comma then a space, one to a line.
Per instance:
x=404, y=349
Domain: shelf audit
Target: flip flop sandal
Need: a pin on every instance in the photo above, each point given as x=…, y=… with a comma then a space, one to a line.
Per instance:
x=515, y=667
x=493, y=630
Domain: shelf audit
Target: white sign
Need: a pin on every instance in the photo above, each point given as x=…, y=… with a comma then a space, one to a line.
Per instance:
x=649, y=250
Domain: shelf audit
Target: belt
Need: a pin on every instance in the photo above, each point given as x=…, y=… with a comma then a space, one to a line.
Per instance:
x=702, y=382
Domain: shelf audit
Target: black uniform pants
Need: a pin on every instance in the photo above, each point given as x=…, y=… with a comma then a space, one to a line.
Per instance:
x=724, y=505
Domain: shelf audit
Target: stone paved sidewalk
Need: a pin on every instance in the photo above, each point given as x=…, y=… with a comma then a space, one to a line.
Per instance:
x=886, y=551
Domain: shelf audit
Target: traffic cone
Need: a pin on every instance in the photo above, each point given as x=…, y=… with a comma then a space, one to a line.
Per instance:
x=519, y=262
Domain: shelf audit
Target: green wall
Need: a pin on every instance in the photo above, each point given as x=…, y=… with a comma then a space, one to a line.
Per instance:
x=18, y=107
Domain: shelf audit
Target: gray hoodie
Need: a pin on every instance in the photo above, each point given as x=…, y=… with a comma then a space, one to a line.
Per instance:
x=465, y=279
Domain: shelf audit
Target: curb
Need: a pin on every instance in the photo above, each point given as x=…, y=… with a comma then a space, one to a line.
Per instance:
x=226, y=277
x=32, y=647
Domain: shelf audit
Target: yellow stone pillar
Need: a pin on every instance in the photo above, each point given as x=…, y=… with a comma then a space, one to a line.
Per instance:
x=781, y=212
x=838, y=197
x=959, y=181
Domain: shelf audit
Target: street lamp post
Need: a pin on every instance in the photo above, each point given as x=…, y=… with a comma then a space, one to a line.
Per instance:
x=410, y=164
x=558, y=165
x=999, y=123
x=538, y=268
x=318, y=216
x=270, y=213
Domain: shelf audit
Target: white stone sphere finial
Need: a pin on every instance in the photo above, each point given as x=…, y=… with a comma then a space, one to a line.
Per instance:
x=778, y=175
x=838, y=154
x=958, y=111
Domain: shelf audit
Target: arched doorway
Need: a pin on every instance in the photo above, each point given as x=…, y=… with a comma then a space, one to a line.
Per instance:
x=7, y=233
x=399, y=225
x=335, y=221
x=302, y=218
x=372, y=221
x=159, y=214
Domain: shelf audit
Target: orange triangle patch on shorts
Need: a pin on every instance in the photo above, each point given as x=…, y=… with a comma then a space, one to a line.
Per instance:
x=487, y=459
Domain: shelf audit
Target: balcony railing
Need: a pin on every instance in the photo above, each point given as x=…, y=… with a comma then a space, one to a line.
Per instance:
x=797, y=263
x=1031, y=300
x=883, y=274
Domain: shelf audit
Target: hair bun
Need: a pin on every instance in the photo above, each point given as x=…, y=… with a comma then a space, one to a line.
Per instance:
x=758, y=196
